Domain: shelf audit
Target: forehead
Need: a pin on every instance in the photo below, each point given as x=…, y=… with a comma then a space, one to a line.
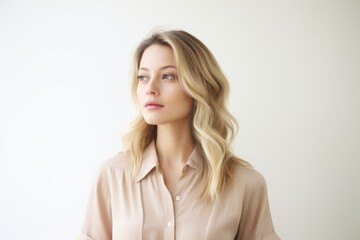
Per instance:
x=157, y=56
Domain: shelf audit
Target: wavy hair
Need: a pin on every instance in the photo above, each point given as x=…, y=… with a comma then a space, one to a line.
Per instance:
x=213, y=127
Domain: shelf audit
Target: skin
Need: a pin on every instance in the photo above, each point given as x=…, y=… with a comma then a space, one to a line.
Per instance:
x=165, y=104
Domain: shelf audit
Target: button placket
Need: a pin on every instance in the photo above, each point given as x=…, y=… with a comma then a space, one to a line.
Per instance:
x=169, y=211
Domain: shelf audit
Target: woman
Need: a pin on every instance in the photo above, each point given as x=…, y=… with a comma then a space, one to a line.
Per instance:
x=178, y=178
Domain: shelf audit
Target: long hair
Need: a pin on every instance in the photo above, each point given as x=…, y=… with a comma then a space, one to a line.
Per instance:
x=213, y=127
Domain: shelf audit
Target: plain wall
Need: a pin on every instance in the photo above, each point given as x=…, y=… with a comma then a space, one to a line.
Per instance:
x=294, y=71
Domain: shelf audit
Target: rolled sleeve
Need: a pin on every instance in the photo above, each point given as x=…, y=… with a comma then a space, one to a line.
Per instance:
x=83, y=236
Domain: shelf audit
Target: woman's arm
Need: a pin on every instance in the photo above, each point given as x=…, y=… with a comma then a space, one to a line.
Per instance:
x=98, y=220
x=256, y=222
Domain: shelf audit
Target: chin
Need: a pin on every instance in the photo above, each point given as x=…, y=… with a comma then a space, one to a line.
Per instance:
x=152, y=121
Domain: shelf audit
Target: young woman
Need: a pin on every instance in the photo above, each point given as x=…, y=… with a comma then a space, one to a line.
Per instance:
x=178, y=178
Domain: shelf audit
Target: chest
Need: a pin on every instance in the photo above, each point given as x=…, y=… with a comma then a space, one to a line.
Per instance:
x=147, y=210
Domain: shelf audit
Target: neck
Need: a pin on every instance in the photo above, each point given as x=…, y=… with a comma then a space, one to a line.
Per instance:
x=174, y=145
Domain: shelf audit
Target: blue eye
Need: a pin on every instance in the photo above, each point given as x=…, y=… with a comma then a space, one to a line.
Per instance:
x=142, y=77
x=168, y=76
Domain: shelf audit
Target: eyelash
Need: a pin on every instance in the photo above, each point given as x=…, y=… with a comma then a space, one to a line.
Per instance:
x=164, y=76
x=141, y=77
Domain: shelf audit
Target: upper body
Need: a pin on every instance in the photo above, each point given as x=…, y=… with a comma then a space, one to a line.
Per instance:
x=120, y=208
x=178, y=178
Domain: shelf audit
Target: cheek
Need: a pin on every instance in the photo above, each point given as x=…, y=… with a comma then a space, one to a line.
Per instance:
x=138, y=93
x=186, y=101
x=182, y=97
x=190, y=104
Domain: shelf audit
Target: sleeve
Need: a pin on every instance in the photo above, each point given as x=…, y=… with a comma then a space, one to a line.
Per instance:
x=98, y=220
x=256, y=222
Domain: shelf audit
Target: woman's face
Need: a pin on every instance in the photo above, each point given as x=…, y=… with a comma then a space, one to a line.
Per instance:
x=162, y=100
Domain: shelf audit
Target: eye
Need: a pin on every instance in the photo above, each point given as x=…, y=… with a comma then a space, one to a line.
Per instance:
x=168, y=76
x=142, y=77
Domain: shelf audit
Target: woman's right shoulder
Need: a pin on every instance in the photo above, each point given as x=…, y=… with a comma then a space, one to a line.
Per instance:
x=114, y=168
x=120, y=161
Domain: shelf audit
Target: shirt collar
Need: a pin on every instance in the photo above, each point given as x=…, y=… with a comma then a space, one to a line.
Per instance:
x=195, y=158
x=150, y=161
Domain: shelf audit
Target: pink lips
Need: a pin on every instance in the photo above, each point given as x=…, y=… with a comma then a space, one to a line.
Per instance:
x=153, y=105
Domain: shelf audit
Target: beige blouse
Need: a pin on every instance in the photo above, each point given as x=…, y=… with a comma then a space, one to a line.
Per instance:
x=122, y=209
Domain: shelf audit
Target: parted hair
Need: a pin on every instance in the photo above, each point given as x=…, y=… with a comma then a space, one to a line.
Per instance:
x=213, y=127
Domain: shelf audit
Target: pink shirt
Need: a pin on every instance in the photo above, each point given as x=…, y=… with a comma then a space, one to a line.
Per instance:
x=120, y=208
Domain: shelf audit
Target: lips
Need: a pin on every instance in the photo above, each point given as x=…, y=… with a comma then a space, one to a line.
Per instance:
x=153, y=105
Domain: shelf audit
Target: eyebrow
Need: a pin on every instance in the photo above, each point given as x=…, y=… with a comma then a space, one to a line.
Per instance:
x=162, y=68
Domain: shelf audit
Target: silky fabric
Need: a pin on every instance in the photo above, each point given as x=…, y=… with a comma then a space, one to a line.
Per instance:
x=120, y=208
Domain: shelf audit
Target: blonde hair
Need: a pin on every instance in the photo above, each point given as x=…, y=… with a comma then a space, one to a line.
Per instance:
x=213, y=127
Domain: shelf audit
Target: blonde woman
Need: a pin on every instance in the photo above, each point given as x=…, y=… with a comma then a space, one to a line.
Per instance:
x=178, y=178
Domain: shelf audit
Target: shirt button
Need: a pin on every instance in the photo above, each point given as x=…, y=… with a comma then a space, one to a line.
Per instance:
x=169, y=224
x=177, y=198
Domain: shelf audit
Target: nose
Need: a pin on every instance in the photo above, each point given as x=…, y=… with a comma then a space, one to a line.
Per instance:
x=152, y=89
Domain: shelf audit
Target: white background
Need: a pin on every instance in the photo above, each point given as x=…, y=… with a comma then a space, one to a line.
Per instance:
x=294, y=71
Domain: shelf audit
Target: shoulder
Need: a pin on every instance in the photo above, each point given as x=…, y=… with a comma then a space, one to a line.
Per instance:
x=119, y=162
x=255, y=212
x=248, y=179
x=111, y=170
